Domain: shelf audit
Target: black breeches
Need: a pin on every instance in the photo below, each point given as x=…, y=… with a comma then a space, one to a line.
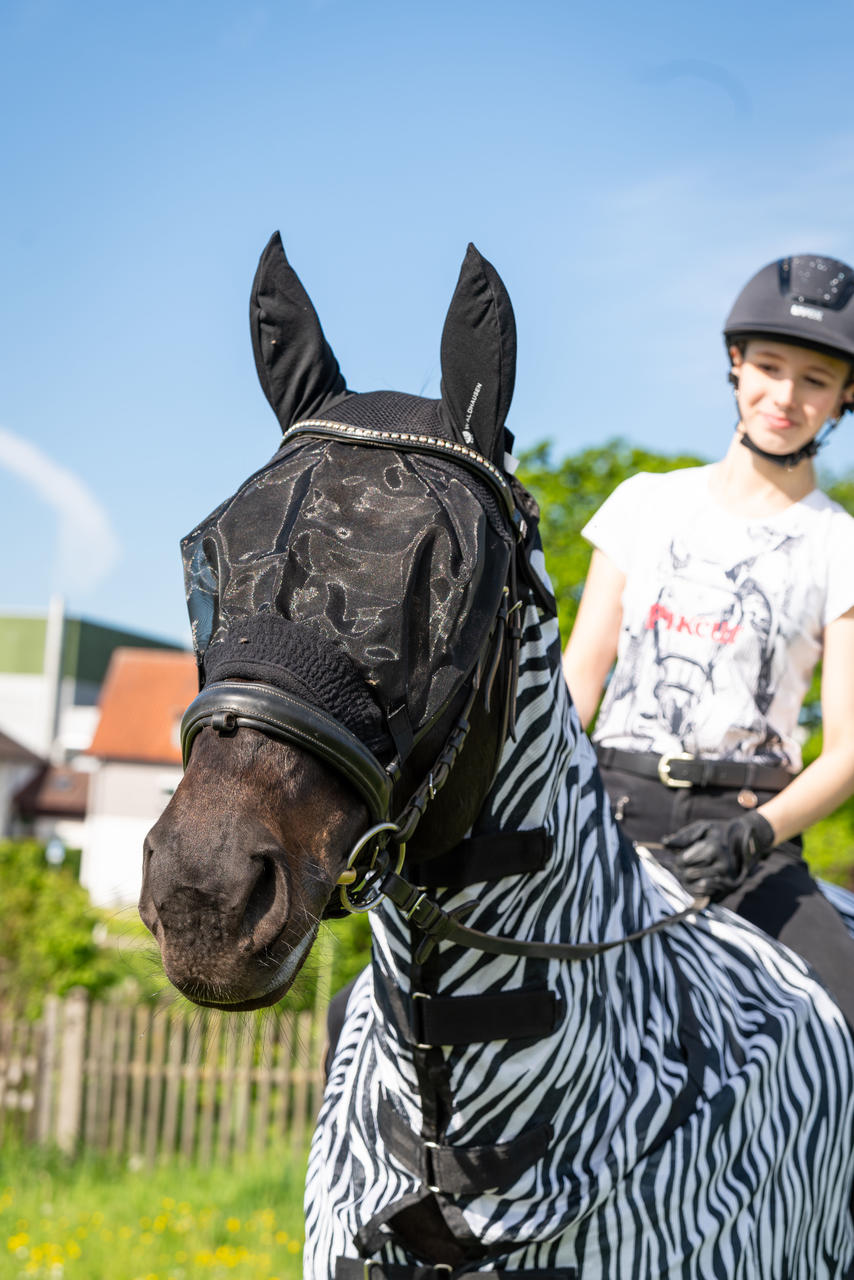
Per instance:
x=780, y=896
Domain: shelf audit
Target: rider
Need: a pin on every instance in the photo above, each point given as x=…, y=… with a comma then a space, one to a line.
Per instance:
x=717, y=589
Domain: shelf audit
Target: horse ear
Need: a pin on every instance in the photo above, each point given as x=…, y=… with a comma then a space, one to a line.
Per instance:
x=479, y=357
x=298, y=372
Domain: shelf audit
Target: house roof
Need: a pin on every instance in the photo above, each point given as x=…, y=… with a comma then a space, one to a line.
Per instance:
x=13, y=752
x=144, y=696
x=55, y=791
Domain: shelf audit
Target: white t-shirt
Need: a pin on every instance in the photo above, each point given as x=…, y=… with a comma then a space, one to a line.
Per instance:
x=722, y=617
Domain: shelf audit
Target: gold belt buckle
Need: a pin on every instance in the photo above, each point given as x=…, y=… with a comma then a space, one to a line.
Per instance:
x=664, y=764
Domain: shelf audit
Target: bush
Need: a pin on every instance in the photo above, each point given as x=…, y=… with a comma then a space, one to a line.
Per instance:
x=51, y=937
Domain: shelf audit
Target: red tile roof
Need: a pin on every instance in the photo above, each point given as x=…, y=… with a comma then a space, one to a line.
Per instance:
x=145, y=693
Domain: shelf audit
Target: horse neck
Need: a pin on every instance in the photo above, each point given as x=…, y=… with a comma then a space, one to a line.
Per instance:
x=547, y=778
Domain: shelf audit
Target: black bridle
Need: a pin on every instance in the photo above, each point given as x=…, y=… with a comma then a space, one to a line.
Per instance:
x=374, y=867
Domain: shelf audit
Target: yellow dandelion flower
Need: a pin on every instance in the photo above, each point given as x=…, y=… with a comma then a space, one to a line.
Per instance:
x=232, y=1225
x=294, y=1246
x=20, y=1241
x=167, y=1202
x=125, y=1233
x=73, y=1249
x=161, y=1222
x=282, y=1237
x=267, y=1218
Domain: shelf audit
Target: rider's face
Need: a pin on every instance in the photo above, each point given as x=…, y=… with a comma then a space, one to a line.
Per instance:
x=787, y=393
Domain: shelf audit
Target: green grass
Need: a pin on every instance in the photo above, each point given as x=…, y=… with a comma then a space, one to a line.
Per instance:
x=829, y=848
x=101, y=1220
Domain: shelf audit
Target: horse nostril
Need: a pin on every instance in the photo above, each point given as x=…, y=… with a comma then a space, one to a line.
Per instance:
x=147, y=909
x=266, y=907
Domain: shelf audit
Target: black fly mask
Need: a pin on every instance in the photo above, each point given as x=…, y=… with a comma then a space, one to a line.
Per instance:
x=355, y=591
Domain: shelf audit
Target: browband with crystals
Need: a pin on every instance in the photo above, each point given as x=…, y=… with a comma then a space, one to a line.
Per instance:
x=423, y=444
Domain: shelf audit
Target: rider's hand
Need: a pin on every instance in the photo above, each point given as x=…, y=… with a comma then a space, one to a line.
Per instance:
x=713, y=858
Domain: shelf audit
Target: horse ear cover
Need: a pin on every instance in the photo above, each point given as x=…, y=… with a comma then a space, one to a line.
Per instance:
x=296, y=366
x=479, y=358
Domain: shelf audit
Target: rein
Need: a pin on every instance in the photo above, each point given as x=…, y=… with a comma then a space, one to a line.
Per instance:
x=380, y=881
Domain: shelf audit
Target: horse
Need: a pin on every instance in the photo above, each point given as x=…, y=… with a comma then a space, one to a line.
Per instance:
x=557, y=1065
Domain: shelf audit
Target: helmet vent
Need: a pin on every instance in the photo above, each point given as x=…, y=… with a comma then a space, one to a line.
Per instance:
x=818, y=282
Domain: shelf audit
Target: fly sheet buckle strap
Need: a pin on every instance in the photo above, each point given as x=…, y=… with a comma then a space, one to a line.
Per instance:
x=485, y=858
x=360, y=1269
x=681, y=769
x=462, y=1170
x=522, y=1014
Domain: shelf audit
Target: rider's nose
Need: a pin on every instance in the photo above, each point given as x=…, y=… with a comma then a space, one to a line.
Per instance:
x=784, y=393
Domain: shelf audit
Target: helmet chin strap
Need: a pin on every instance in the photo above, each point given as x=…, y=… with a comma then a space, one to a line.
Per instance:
x=790, y=460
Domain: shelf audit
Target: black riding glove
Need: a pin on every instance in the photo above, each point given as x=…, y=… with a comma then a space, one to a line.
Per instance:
x=714, y=858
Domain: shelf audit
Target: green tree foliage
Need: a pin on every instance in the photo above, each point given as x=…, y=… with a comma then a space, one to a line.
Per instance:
x=569, y=492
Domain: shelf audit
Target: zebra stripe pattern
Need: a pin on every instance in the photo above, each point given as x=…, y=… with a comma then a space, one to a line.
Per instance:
x=699, y=1084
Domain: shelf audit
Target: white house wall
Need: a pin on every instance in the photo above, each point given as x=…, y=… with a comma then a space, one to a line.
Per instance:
x=23, y=710
x=124, y=801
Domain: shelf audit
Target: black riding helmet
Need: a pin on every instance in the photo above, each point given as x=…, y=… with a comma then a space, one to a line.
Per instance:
x=806, y=300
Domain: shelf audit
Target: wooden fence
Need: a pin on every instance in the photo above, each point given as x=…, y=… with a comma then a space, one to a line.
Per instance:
x=147, y=1083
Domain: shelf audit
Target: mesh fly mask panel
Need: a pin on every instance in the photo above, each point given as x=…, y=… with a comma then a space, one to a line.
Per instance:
x=363, y=583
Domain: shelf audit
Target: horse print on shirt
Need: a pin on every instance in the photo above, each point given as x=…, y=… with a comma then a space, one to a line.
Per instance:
x=701, y=655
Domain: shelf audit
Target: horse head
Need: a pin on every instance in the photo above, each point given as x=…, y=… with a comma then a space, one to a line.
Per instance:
x=352, y=610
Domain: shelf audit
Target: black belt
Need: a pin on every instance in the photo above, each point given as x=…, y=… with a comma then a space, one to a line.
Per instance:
x=680, y=769
x=359, y=1269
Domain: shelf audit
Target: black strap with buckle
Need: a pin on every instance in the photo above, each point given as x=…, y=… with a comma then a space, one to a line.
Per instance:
x=462, y=1170
x=526, y=1013
x=359, y=1269
x=681, y=769
x=485, y=858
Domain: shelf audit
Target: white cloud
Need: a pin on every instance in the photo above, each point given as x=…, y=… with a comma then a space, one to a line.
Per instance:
x=87, y=545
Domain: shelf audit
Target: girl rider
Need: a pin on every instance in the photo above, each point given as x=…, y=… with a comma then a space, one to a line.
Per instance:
x=717, y=589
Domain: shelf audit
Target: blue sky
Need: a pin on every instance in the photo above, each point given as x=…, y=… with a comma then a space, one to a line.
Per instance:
x=626, y=167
